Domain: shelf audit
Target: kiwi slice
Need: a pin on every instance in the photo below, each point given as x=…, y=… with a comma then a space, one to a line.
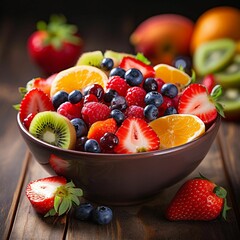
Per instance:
x=92, y=58
x=214, y=55
x=231, y=103
x=116, y=56
x=230, y=76
x=53, y=128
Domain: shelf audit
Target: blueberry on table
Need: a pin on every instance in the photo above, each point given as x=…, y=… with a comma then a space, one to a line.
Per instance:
x=102, y=215
x=83, y=211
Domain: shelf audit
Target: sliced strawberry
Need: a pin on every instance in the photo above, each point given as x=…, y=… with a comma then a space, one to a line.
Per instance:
x=33, y=102
x=196, y=100
x=52, y=195
x=41, y=192
x=135, y=135
x=59, y=165
x=131, y=62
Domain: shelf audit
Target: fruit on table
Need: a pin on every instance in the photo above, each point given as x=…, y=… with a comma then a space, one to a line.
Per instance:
x=214, y=55
x=113, y=113
x=198, y=199
x=177, y=129
x=215, y=23
x=163, y=37
x=54, y=46
x=53, y=195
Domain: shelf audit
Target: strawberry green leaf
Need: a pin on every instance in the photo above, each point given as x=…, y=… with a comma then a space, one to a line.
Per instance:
x=142, y=58
x=65, y=206
x=16, y=106
x=50, y=213
x=193, y=76
x=216, y=92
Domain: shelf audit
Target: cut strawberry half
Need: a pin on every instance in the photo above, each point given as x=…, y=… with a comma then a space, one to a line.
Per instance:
x=33, y=102
x=131, y=62
x=135, y=135
x=196, y=100
x=52, y=195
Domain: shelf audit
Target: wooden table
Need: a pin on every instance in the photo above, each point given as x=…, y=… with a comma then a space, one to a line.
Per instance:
x=18, y=220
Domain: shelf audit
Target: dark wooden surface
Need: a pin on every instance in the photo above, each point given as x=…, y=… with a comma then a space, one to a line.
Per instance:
x=146, y=221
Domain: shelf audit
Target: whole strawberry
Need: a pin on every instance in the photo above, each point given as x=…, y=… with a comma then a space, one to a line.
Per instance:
x=198, y=199
x=53, y=195
x=54, y=46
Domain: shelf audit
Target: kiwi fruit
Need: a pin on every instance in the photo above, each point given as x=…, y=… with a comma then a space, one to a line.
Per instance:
x=229, y=77
x=230, y=101
x=53, y=128
x=213, y=56
x=92, y=58
x=116, y=56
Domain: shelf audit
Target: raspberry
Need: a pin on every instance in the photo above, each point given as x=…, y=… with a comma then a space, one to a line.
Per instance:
x=135, y=96
x=70, y=110
x=118, y=84
x=95, y=111
x=134, y=111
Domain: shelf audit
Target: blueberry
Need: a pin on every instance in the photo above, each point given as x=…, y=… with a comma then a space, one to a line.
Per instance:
x=150, y=84
x=91, y=145
x=118, y=115
x=169, y=90
x=107, y=64
x=119, y=102
x=75, y=96
x=150, y=112
x=133, y=77
x=83, y=211
x=170, y=110
x=109, y=95
x=58, y=98
x=117, y=71
x=80, y=127
x=102, y=215
x=154, y=98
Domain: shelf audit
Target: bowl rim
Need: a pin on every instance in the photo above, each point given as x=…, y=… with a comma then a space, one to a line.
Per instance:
x=215, y=124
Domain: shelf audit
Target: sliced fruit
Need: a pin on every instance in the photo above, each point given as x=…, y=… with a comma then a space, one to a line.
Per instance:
x=229, y=77
x=177, y=129
x=78, y=77
x=92, y=58
x=170, y=74
x=59, y=165
x=33, y=102
x=135, y=135
x=196, y=100
x=53, y=128
x=131, y=62
x=116, y=56
x=231, y=103
x=214, y=55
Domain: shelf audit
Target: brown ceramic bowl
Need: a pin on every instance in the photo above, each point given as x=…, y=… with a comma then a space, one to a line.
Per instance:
x=122, y=179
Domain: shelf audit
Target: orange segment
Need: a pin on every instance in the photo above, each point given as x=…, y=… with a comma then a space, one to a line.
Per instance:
x=177, y=129
x=78, y=77
x=170, y=74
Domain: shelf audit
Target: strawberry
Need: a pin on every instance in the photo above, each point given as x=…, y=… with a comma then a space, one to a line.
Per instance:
x=59, y=165
x=33, y=102
x=53, y=195
x=209, y=82
x=195, y=100
x=99, y=128
x=135, y=135
x=128, y=62
x=198, y=199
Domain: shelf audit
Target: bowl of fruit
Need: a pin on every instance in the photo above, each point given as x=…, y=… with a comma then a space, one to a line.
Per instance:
x=121, y=129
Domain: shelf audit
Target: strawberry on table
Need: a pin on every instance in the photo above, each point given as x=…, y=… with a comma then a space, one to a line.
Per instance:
x=198, y=199
x=196, y=100
x=135, y=135
x=33, y=102
x=53, y=195
x=55, y=46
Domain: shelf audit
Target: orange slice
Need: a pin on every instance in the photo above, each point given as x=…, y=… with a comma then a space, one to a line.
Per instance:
x=77, y=78
x=177, y=129
x=170, y=74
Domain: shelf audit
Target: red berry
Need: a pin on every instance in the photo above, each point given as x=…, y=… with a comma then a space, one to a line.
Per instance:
x=95, y=111
x=118, y=84
x=135, y=96
x=134, y=111
x=90, y=98
x=70, y=110
x=160, y=83
x=27, y=121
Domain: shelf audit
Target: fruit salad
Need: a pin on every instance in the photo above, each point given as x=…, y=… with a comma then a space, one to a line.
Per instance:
x=118, y=103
